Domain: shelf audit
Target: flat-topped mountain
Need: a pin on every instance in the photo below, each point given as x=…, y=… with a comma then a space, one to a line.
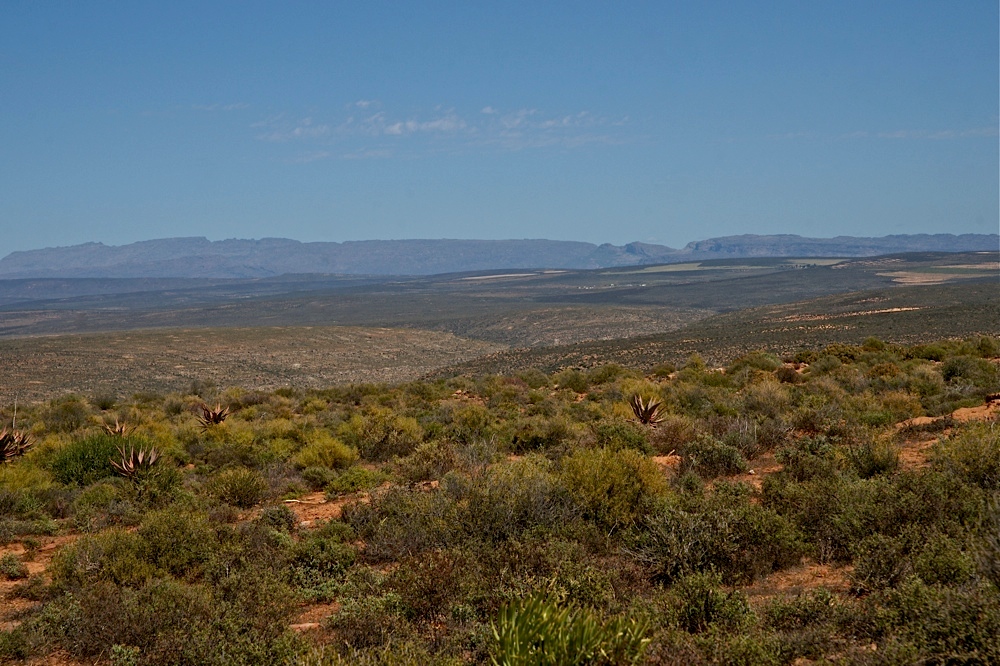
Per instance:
x=236, y=258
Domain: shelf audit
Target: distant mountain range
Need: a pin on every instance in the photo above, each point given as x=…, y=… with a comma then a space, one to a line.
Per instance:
x=202, y=258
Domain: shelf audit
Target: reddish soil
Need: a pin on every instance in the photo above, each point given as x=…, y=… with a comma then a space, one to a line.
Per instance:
x=797, y=580
x=37, y=563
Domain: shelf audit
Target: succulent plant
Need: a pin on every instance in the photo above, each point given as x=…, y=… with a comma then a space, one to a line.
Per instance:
x=13, y=443
x=210, y=417
x=118, y=429
x=647, y=412
x=136, y=461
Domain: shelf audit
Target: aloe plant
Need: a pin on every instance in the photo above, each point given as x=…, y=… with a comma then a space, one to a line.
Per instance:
x=136, y=462
x=648, y=412
x=210, y=417
x=118, y=429
x=13, y=443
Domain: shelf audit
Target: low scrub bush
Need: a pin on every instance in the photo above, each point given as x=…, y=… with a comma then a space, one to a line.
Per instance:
x=973, y=454
x=724, y=533
x=699, y=603
x=611, y=487
x=240, y=486
x=710, y=457
x=872, y=457
x=380, y=433
x=617, y=435
x=324, y=450
x=355, y=479
x=430, y=460
x=88, y=459
x=12, y=568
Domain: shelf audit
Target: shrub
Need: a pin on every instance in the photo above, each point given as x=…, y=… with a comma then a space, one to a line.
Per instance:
x=88, y=459
x=279, y=517
x=429, y=583
x=179, y=543
x=700, y=604
x=725, y=533
x=709, y=457
x=538, y=433
x=538, y=632
x=973, y=454
x=12, y=568
x=380, y=434
x=401, y=522
x=430, y=460
x=508, y=499
x=617, y=435
x=240, y=486
x=318, y=560
x=112, y=556
x=355, y=479
x=571, y=379
x=611, y=487
x=370, y=621
x=873, y=457
x=323, y=450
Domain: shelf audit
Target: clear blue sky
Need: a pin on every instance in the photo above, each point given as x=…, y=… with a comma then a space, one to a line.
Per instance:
x=598, y=121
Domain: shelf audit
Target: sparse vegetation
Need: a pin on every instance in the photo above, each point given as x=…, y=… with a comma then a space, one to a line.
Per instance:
x=526, y=519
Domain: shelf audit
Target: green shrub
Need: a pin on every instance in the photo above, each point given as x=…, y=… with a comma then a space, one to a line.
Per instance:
x=873, y=457
x=104, y=504
x=12, y=568
x=537, y=631
x=508, y=499
x=323, y=450
x=318, y=560
x=401, y=522
x=355, y=479
x=240, y=486
x=700, y=604
x=371, y=621
x=724, y=533
x=113, y=556
x=88, y=459
x=429, y=584
x=180, y=543
x=380, y=434
x=611, y=487
x=279, y=517
x=973, y=454
x=619, y=434
x=430, y=460
x=538, y=433
x=709, y=457
x=571, y=379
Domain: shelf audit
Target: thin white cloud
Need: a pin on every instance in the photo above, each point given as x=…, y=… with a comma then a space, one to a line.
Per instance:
x=368, y=131
x=935, y=135
x=220, y=107
x=279, y=130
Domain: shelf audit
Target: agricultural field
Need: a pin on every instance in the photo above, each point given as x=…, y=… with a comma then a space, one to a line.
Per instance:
x=835, y=503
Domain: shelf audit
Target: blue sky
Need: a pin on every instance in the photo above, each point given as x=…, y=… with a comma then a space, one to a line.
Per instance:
x=599, y=121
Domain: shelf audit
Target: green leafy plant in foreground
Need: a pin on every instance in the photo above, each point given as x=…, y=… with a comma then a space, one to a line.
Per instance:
x=538, y=631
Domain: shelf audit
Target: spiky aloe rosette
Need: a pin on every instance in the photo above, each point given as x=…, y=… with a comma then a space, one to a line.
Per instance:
x=136, y=462
x=13, y=443
x=648, y=412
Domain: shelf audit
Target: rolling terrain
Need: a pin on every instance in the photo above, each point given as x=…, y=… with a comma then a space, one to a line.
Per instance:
x=128, y=336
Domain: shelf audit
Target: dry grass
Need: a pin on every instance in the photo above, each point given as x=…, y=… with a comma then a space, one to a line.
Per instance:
x=262, y=358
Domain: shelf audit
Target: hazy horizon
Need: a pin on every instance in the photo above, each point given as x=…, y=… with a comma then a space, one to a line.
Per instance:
x=604, y=123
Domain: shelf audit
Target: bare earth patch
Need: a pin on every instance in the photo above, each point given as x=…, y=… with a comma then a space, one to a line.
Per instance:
x=803, y=578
